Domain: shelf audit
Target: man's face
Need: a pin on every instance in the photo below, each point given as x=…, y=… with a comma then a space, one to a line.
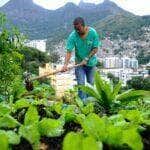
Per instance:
x=79, y=28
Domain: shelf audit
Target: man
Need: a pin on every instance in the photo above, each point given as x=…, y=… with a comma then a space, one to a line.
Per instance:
x=85, y=41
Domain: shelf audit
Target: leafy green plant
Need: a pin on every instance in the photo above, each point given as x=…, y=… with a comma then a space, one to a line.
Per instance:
x=10, y=58
x=8, y=121
x=85, y=109
x=51, y=127
x=107, y=96
x=30, y=130
x=4, y=141
x=13, y=138
x=79, y=141
x=103, y=129
x=136, y=117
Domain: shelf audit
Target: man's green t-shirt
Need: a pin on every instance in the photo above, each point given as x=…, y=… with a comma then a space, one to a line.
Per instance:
x=83, y=47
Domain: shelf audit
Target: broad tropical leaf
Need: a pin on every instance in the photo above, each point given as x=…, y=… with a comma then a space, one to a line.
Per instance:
x=132, y=95
x=90, y=91
x=76, y=141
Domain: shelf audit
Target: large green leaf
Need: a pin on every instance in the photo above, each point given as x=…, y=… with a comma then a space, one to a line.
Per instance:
x=132, y=95
x=90, y=91
x=95, y=126
x=76, y=141
x=22, y=103
x=98, y=82
x=31, y=134
x=104, y=89
x=31, y=115
x=4, y=109
x=134, y=141
x=116, y=90
x=114, y=135
x=13, y=138
x=3, y=142
x=51, y=127
x=134, y=116
x=8, y=121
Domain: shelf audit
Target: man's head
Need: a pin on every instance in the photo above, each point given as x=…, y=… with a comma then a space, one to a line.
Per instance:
x=79, y=25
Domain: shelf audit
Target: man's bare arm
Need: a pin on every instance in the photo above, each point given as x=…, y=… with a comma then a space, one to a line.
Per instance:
x=67, y=58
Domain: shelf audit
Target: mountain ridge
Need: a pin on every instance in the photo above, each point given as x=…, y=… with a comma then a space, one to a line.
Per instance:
x=40, y=23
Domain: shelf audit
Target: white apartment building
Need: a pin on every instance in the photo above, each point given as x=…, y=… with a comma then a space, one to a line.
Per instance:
x=38, y=44
x=117, y=62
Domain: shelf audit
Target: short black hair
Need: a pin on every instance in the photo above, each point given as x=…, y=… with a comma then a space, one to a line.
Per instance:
x=79, y=20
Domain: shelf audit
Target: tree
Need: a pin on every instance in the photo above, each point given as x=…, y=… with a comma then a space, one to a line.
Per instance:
x=33, y=58
x=10, y=58
x=114, y=79
x=139, y=83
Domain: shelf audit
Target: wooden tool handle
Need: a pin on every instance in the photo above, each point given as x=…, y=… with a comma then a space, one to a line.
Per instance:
x=52, y=73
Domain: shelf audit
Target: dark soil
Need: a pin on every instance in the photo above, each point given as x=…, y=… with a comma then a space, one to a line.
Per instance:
x=20, y=115
x=146, y=138
x=41, y=111
x=55, y=115
x=23, y=145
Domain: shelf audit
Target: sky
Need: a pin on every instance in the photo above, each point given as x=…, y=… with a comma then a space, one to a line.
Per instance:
x=138, y=7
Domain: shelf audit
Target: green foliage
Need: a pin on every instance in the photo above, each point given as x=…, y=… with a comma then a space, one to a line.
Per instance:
x=42, y=91
x=94, y=126
x=13, y=138
x=8, y=121
x=139, y=83
x=30, y=130
x=107, y=95
x=132, y=95
x=111, y=132
x=134, y=142
x=135, y=116
x=51, y=127
x=22, y=103
x=31, y=133
x=126, y=25
x=78, y=141
x=4, y=141
x=9, y=72
x=85, y=109
x=4, y=109
x=33, y=58
x=31, y=116
x=114, y=79
x=10, y=58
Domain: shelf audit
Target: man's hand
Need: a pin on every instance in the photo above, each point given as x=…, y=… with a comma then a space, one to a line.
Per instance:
x=83, y=62
x=64, y=68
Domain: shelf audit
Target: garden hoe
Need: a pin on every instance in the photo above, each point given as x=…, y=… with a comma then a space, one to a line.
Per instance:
x=29, y=81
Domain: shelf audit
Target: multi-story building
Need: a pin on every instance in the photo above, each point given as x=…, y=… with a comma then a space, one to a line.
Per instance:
x=116, y=62
x=38, y=44
x=60, y=81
